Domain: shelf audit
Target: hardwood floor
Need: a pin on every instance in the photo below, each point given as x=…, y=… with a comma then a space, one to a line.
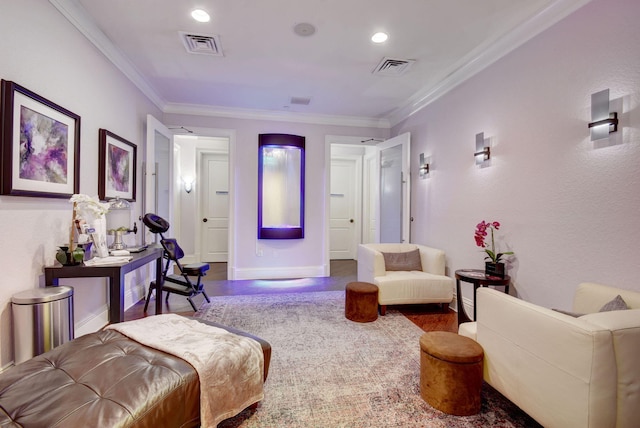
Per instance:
x=427, y=317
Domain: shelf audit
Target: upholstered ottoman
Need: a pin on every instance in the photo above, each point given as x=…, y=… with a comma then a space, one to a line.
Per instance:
x=105, y=379
x=361, y=302
x=451, y=372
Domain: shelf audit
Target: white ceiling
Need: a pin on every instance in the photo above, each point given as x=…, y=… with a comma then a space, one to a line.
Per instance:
x=265, y=63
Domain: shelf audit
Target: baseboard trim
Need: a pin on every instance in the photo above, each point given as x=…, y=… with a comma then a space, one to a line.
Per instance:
x=278, y=272
x=466, y=302
x=98, y=320
x=92, y=323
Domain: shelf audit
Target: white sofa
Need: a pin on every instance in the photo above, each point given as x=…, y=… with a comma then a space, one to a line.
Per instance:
x=430, y=285
x=563, y=371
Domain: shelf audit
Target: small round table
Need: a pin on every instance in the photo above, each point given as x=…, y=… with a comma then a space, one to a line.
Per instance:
x=451, y=372
x=478, y=278
x=361, y=302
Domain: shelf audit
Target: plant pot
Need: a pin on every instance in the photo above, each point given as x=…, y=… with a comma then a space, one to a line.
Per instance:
x=67, y=258
x=494, y=269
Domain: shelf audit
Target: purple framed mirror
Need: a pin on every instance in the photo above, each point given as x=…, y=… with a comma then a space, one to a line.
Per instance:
x=280, y=186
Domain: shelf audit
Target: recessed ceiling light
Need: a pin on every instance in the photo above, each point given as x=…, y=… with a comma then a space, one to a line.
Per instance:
x=200, y=15
x=379, y=37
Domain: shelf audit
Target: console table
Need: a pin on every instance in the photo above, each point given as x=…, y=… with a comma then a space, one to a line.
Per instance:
x=115, y=274
x=479, y=279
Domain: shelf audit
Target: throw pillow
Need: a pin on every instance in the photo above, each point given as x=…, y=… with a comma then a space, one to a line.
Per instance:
x=617, y=304
x=409, y=260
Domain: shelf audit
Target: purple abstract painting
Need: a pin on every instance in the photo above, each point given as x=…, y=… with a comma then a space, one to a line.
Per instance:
x=43, y=147
x=119, y=164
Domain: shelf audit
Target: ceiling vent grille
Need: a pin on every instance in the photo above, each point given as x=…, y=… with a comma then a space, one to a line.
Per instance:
x=201, y=44
x=300, y=100
x=393, y=66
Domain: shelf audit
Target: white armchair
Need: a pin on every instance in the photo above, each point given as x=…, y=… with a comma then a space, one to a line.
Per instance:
x=429, y=285
x=563, y=371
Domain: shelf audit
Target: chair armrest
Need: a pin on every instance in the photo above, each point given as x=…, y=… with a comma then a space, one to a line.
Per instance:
x=433, y=260
x=370, y=264
x=624, y=327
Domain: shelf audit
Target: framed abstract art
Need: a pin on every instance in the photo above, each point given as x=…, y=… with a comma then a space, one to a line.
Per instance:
x=40, y=145
x=116, y=167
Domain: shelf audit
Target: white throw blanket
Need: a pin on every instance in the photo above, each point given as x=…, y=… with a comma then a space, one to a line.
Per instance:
x=230, y=367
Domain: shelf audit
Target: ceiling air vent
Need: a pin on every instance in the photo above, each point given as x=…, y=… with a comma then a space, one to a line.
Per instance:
x=201, y=44
x=393, y=66
x=300, y=100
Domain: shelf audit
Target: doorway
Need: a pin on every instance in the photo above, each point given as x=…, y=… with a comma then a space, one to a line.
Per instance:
x=371, y=157
x=202, y=214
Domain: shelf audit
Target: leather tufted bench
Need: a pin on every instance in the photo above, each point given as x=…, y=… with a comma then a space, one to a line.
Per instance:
x=105, y=379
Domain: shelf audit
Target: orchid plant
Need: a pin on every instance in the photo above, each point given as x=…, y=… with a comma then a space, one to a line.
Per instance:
x=89, y=207
x=482, y=231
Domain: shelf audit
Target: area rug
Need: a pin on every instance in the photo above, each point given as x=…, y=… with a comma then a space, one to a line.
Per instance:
x=327, y=371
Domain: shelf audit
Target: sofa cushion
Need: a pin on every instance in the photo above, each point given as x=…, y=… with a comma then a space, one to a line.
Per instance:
x=406, y=287
x=406, y=261
x=617, y=304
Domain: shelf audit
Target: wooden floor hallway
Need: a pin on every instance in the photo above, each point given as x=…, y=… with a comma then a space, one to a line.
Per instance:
x=427, y=317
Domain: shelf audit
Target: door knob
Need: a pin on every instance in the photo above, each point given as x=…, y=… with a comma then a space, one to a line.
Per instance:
x=350, y=220
x=204, y=220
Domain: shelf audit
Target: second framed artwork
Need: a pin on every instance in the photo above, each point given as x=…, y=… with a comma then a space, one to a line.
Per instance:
x=116, y=167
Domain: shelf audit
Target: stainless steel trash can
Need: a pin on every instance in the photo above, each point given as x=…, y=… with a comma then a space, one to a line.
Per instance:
x=42, y=320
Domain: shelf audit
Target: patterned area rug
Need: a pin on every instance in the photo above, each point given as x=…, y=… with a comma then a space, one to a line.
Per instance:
x=327, y=371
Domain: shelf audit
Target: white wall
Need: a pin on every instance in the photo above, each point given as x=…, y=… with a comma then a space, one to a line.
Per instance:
x=280, y=258
x=43, y=52
x=569, y=207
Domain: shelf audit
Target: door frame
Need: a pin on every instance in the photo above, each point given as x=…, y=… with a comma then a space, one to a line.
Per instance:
x=230, y=135
x=329, y=141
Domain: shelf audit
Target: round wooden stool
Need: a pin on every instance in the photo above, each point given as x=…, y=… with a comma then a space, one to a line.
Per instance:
x=451, y=372
x=361, y=302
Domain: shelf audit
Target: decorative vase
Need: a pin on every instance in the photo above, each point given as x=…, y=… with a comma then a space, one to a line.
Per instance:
x=494, y=269
x=99, y=236
x=61, y=255
x=78, y=255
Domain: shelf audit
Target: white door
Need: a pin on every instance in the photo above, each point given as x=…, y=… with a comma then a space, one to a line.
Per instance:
x=393, y=209
x=344, y=217
x=214, y=203
x=158, y=171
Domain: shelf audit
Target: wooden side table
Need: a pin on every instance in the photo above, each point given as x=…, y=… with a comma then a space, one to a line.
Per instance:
x=478, y=278
x=115, y=274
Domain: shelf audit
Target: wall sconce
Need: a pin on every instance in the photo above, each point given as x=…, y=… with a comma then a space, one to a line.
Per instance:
x=424, y=166
x=602, y=122
x=188, y=183
x=483, y=152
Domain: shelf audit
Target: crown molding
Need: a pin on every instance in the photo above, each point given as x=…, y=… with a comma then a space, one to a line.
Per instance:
x=79, y=18
x=487, y=54
x=471, y=64
x=238, y=113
